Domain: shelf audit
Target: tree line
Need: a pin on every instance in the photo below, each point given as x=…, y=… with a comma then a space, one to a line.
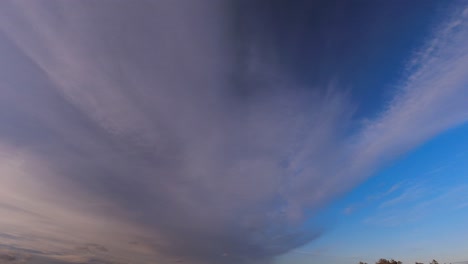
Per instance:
x=392, y=261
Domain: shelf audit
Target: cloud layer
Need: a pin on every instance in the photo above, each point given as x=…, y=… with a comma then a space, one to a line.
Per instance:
x=133, y=127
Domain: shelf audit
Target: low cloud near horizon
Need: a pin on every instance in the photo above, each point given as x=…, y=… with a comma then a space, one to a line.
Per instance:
x=129, y=133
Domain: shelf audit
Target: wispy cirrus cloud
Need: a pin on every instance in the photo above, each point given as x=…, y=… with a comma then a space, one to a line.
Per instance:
x=130, y=125
x=374, y=197
x=409, y=195
x=409, y=206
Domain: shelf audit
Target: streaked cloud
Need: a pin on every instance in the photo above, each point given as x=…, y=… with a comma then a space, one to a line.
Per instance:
x=129, y=127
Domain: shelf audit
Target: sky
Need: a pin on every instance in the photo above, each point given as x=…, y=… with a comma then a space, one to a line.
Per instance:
x=233, y=132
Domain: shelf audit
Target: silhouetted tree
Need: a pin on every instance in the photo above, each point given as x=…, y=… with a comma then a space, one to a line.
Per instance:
x=382, y=261
x=386, y=261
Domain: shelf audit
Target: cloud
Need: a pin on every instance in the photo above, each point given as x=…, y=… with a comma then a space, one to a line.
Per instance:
x=409, y=195
x=7, y=258
x=132, y=126
x=371, y=198
x=441, y=201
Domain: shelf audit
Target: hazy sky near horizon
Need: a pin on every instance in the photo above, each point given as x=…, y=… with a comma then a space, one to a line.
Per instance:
x=243, y=132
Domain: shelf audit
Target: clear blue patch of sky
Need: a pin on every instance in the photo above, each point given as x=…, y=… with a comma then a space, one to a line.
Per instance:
x=411, y=227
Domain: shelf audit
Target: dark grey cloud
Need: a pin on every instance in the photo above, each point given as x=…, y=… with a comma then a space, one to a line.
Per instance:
x=92, y=247
x=86, y=253
x=7, y=258
x=142, y=131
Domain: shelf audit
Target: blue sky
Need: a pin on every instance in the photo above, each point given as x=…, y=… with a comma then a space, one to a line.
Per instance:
x=233, y=132
x=412, y=210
